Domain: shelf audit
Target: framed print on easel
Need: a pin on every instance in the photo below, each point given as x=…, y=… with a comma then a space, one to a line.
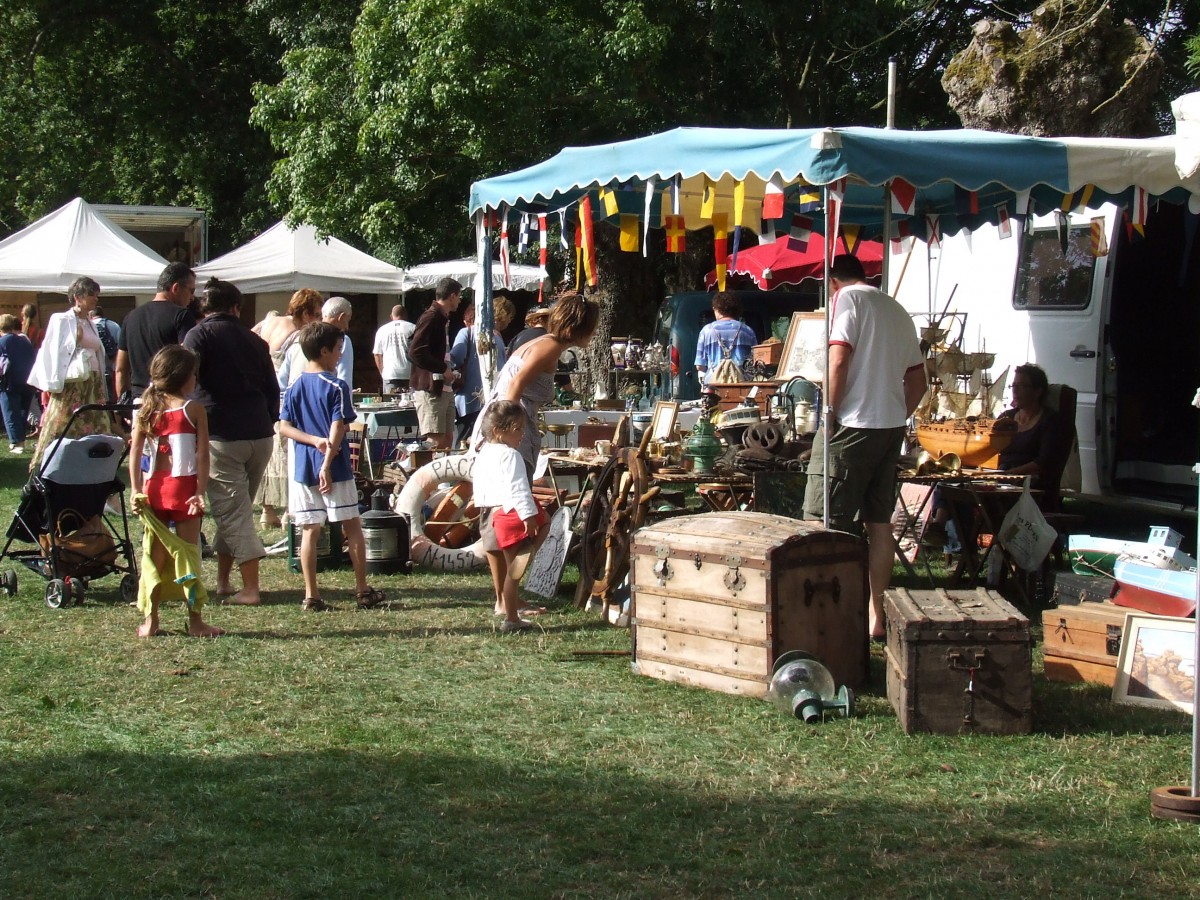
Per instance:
x=662, y=426
x=804, y=349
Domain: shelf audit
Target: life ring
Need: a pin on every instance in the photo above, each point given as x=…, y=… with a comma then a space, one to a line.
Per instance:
x=421, y=485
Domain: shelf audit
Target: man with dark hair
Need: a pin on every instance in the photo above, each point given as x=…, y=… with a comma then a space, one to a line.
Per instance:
x=429, y=352
x=876, y=379
x=150, y=327
x=110, y=336
x=726, y=338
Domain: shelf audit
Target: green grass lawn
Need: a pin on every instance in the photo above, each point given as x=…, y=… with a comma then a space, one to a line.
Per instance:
x=415, y=751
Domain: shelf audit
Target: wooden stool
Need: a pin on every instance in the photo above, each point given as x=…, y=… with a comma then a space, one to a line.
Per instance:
x=723, y=497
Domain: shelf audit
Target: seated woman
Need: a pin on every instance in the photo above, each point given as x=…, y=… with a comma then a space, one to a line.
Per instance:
x=1036, y=448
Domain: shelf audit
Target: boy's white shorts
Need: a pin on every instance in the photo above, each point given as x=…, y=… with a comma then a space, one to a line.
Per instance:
x=308, y=506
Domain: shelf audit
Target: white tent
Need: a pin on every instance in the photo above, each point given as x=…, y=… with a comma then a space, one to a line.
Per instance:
x=75, y=240
x=466, y=273
x=281, y=259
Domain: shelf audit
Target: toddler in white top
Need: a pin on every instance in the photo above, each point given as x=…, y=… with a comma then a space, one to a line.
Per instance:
x=510, y=518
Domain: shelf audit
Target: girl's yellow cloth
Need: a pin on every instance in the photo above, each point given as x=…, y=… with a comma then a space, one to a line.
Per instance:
x=184, y=584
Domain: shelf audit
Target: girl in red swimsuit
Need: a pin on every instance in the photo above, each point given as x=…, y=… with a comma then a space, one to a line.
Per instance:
x=169, y=463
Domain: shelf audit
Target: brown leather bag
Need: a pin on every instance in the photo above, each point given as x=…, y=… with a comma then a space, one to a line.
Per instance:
x=86, y=549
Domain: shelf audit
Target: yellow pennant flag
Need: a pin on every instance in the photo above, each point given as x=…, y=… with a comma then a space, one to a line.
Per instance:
x=709, y=202
x=739, y=202
x=609, y=199
x=721, y=246
x=629, y=233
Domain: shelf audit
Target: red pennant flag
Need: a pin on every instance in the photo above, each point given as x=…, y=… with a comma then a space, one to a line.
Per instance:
x=721, y=246
x=504, y=248
x=1003, y=223
x=904, y=197
x=1141, y=206
x=901, y=233
x=541, y=252
x=933, y=230
x=588, y=241
x=773, y=199
x=676, y=234
x=800, y=233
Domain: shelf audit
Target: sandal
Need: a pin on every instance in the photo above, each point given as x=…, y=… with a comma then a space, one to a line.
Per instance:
x=370, y=598
x=314, y=604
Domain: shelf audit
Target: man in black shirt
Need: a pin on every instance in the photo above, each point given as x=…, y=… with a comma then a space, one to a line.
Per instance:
x=150, y=327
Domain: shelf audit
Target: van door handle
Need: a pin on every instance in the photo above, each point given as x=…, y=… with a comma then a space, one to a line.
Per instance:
x=1080, y=353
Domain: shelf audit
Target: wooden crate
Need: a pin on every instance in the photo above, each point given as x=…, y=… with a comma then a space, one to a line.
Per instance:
x=768, y=354
x=1082, y=643
x=958, y=662
x=718, y=597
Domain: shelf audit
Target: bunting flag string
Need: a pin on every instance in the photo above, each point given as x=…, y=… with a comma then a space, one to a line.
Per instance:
x=737, y=242
x=523, y=234
x=800, y=233
x=708, y=202
x=676, y=190
x=901, y=235
x=1099, y=238
x=504, y=246
x=542, y=252
x=770, y=230
x=564, y=230
x=609, y=199
x=773, y=198
x=721, y=246
x=933, y=230
x=833, y=219
x=650, y=182
x=629, y=233
x=676, y=234
x=809, y=199
x=851, y=237
x=1071, y=203
x=588, y=240
x=1003, y=225
x=904, y=197
x=739, y=204
x=966, y=203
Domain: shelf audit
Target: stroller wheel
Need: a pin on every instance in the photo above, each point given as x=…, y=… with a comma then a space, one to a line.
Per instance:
x=129, y=588
x=77, y=590
x=9, y=582
x=58, y=594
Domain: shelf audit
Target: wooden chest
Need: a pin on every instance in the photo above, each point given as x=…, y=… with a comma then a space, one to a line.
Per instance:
x=718, y=597
x=733, y=393
x=1082, y=642
x=958, y=662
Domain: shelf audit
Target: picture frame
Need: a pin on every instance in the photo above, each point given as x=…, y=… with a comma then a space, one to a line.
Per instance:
x=1157, y=665
x=805, y=348
x=662, y=425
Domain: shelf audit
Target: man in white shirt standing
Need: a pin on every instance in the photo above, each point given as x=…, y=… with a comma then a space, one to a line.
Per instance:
x=876, y=379
x=391, y=351
x=337, y=312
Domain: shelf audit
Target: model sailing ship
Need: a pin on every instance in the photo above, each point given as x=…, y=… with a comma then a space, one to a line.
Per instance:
x=959, y=412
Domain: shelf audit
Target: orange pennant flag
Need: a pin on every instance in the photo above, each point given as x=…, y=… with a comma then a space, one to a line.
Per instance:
x=629, y=233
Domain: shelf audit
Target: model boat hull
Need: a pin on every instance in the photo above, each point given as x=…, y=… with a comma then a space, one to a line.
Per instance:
x=1164, y=592
x=978, y=444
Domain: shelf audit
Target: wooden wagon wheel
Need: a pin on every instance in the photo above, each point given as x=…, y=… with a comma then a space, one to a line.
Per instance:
x=617, y=508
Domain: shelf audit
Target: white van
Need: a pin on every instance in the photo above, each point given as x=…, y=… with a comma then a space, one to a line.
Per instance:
x=1122, y=329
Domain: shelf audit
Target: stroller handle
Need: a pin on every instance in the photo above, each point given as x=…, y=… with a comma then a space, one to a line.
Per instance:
x=117, y=409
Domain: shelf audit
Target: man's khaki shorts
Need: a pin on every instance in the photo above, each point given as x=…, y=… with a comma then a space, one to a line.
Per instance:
x=862, y=480
x=435, y=415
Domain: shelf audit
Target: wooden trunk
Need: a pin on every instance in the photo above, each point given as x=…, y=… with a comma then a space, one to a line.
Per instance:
x=1070, y=588
x=718, y=597
x=959, y=662
x=1082, y=643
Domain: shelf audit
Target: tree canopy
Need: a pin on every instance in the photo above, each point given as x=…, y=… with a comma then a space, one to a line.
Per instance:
x=370, y=118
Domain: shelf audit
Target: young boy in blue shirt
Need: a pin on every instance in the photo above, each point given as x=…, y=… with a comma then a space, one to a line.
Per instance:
x=316, y=410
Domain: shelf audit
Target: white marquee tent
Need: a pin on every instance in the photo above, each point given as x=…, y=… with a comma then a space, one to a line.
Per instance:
x=466, y=273
x=283, y=259
x=75, y=240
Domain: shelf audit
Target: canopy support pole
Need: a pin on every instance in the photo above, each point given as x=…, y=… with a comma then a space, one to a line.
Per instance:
x=829, y=254
x=484, y=311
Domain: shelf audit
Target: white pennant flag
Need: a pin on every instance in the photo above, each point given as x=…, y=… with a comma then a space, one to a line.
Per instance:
x=650, y=182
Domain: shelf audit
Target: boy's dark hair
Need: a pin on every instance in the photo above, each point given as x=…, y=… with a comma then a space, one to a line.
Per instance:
x=500, y=416
x=316, y=337
x=847, y=268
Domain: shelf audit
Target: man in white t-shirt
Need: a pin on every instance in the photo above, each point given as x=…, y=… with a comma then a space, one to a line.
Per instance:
x=391, y=351
x=876, y=379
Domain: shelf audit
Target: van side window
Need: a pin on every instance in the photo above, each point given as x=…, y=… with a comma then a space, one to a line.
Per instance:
x=1050, y=279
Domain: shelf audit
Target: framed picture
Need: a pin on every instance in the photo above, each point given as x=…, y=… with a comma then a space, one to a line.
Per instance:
x=662, y=426
x=804, y=349
x=1157, y=666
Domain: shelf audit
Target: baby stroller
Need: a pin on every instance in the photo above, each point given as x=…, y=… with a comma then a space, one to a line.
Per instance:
x=66, y=514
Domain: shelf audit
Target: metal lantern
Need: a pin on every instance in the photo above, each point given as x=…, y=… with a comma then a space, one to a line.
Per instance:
x=386, y=536
x=801, y=686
